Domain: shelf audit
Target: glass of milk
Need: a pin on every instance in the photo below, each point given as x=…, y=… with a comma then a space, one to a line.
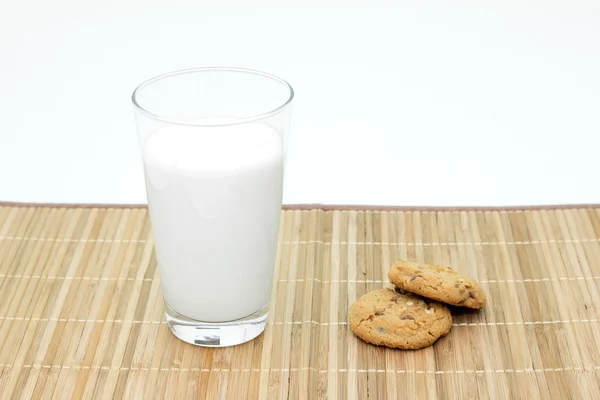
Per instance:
x=213, y=142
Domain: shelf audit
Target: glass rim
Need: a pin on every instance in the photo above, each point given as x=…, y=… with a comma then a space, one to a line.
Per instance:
x=176, y=121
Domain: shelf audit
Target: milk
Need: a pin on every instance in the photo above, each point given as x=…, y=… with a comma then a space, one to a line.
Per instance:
x=214, y=196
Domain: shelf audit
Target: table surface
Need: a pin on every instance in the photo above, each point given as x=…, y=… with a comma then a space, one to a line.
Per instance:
x=411, y=104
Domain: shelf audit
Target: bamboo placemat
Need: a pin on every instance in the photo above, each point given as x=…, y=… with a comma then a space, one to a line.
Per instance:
x=81, y=313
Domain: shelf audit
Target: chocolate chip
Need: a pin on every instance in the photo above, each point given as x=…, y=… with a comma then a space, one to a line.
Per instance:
x=378, y=313
x=471, y=296
x=400, y=290
x=407, y=317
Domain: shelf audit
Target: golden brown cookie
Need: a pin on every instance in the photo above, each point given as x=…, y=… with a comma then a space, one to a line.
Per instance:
x=437, y=282
x=404, y=321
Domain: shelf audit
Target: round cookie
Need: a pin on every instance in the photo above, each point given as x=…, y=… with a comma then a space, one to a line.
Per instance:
x=398, y=320
x=437, y=282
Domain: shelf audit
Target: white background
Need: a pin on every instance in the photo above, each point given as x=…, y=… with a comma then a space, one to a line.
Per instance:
x=401, y=103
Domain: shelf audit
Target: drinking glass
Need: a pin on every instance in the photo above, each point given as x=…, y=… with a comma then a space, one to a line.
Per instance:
x=213, y=144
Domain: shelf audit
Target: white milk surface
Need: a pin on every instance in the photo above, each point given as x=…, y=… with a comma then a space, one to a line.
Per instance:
x=215, y=198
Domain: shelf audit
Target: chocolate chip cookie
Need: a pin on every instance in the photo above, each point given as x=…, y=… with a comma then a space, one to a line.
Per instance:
x=399, y=320
x=437, y=282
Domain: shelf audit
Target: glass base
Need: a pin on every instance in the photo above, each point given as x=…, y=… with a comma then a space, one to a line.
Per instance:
x=217, y=334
